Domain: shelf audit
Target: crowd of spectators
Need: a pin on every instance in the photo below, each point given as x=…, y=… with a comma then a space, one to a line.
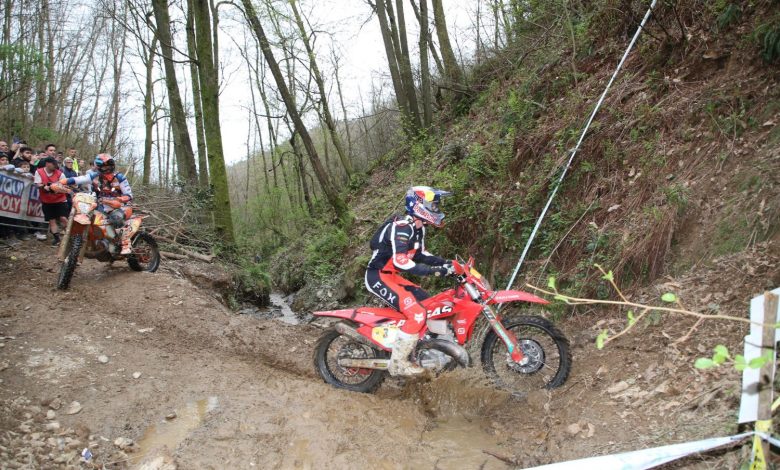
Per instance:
x=44, y=167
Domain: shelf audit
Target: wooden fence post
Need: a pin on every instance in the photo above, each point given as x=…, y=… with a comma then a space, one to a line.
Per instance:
x=761, y=448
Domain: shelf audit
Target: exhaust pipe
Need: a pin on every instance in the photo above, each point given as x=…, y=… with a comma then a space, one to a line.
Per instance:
x=380, y=364
x=352, y=333
x=449, y=348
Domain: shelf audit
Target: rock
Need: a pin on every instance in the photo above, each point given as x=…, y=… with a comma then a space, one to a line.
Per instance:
x=124, y=443
x=618, y=387
x=171, y=416
x=55, y=404
x=663, y=388
x=50, y=414
x=73, y=408
x=591, y=430
x=103, y=359
x=573, y=429
x=159, y=462
x=136, y=375
x=25, y=428
x=53, y=426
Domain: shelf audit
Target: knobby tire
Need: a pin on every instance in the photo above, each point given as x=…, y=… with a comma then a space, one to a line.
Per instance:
x=69, y=265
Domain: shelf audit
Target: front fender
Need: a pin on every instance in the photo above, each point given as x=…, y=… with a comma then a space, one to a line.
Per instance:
x=504, y=296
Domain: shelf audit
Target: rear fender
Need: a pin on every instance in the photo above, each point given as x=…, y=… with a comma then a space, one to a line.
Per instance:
x=504, y=296
x=363, y=315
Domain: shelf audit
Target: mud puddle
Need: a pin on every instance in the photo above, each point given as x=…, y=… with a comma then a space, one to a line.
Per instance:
x=462, y=443
x=166, y=435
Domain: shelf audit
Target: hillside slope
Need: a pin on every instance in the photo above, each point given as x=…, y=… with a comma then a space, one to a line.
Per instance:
x=679, y=168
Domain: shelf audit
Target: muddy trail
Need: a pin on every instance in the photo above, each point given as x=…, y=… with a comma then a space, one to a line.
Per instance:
x=150, y=371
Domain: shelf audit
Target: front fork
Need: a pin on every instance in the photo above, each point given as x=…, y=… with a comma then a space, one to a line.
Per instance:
x=509, y=338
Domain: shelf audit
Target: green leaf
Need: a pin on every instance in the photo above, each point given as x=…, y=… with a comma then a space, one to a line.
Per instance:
x=631, y=319
x=551, y=282
x=561, y=297
x=719, y=358
x=600, y=339
x=739, y=362
x=608, y=277
x=704, y=363
x=757, y=362
x=669, y=297
x=722, y=350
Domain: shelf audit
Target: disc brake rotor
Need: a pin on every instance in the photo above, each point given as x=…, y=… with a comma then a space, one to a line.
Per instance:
x=533, y=352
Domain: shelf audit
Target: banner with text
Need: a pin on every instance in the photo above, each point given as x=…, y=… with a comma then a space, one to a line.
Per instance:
x=19, y=197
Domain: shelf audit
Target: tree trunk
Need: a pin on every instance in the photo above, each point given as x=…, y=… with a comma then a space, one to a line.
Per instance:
x=451, y=68
x=209, y=87
x=425, y=73
x=406, y=66
x=148, y=112
x=392, y=62
x=331, y=194
x=181, y=136
x=203, y=171
x=326, y=114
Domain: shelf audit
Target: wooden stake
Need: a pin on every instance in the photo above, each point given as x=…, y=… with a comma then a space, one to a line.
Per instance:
x=761, y=448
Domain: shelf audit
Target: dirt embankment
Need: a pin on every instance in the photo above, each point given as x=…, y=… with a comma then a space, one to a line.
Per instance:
x=161, y=373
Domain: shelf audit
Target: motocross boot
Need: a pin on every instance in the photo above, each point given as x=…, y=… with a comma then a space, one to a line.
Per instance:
x=126, y=250
x=399, y=359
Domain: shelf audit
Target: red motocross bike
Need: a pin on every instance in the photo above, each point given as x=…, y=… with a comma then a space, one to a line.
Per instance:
x=518, y=354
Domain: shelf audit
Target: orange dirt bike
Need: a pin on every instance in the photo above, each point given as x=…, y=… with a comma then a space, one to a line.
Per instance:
x=93, y=234
x=518, y=353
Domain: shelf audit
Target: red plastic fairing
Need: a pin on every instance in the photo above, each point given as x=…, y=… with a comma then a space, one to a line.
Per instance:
x=503, y=296
x=345, y=313
x=364, y=315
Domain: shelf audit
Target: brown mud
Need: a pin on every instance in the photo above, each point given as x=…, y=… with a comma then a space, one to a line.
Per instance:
x=194, y=385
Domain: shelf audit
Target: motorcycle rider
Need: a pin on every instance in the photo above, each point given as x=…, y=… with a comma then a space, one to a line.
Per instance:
x=113, y=191
x=399, y=247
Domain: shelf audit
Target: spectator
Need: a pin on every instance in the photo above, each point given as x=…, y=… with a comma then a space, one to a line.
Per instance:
x=82, y=169
x=69, y=172
x=76, y=162
x=23, y=155
x=4, y=161
x=4, y=150
x=24, y=166
x=54, y=205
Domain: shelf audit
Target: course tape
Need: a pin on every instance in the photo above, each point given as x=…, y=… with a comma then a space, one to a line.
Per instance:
x=649, y=458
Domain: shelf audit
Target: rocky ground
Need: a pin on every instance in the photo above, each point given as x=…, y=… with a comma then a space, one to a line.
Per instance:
x=152, y=371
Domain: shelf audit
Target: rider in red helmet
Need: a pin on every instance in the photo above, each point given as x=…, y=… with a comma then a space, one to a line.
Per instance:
x=113, y=192
x=399, y=247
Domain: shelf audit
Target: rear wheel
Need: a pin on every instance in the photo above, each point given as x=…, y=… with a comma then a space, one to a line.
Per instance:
x=332, y=346
x=145, y=255
x=545, y=347
x=69, y=264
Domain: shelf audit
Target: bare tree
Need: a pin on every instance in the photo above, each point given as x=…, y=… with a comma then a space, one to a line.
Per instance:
x=335, y=200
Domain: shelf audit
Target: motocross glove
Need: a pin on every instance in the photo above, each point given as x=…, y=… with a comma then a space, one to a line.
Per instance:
x=444, y=270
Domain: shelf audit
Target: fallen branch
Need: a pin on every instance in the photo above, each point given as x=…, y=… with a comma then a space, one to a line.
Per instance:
x=168, y=254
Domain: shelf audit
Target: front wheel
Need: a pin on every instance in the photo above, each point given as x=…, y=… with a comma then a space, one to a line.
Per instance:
x=145, y=255
x=331, y=347
x=69, y=264
x=545, y=347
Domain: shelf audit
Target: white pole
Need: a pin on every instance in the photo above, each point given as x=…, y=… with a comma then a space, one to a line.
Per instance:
x=577, y=147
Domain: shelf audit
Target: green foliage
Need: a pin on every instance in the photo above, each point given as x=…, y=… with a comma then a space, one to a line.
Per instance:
x=729, y=15
x=669, y=297
x=767, y=35
x=22, y=63
x=601, y=338
x=325, y=252
x=721, y=356
x=677, y=195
